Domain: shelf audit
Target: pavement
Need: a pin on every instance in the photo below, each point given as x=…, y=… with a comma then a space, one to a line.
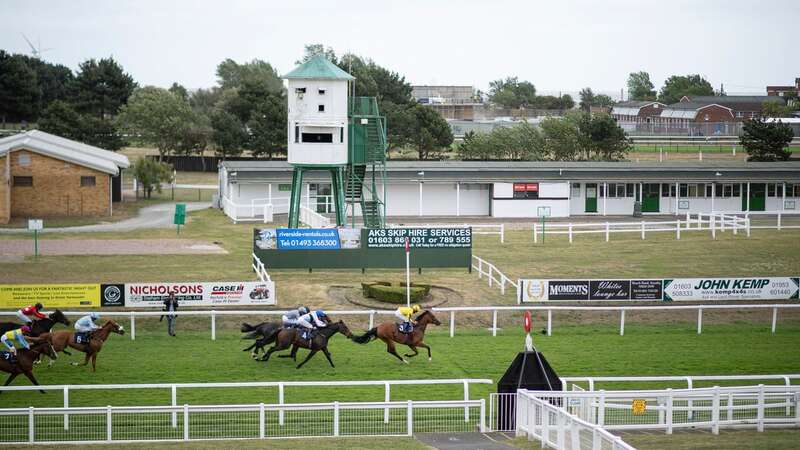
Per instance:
x=156, y=216
x=465, y=441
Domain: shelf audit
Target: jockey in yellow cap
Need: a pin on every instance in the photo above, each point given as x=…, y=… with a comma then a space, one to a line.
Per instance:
x=403, y=314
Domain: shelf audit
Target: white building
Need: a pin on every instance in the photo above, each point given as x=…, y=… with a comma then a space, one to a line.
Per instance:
x=515, y=189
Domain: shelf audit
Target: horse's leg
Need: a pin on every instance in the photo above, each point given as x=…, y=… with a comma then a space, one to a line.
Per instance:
x=10, y=379
x=292, y=355
x=310, y=354
x=425, y=346
x=30, y=376
x=414, y=349
x=328, y=355
x=275, y=348
x=393, y=351
x=94, y=361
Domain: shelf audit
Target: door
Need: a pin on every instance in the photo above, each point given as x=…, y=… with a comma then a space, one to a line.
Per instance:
x=323, y=198
x=758, y=195
x=650, y=198
x=591, y=197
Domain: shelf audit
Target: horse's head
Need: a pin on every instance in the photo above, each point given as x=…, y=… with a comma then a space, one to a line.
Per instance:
x=428, y=317
x=58, y=317
x=114, y=327
x=344, y=330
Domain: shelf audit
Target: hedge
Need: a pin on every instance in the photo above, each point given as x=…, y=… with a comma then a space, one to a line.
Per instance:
x=385, y=292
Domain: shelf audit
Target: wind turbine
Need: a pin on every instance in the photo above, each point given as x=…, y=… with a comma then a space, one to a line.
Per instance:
x=36, y=50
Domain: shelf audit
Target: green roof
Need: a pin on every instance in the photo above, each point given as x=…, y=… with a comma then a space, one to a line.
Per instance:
x=319, y=67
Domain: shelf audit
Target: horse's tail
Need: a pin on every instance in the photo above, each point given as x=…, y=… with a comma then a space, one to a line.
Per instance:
x=366, y=337
x=246, y=327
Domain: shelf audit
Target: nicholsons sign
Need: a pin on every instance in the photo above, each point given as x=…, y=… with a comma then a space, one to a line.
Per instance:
x=780, y=288
x=200, y=294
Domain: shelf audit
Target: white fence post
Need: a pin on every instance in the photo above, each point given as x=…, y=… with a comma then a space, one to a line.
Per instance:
x=715, y=411
x=109, y=435
x=466, y=399
x=494, y=322
x=678, y=230
x=133, y=326
x=570, y=232
x=410, y=418
x=699, y=320
x=261, y=433
x=483, y=416
x=213, y=325
x=174, y=395
x=452, y=323
x=371, y=319
x=335, y=419
x=608, y=230
x=669, y=411
x=760, y=412
x=185, y=422
x=280, y=402
x=622, y=322
x=747, y=226
x=386, y=398
x=601, y=408
x=66, y=405
x=730, y=406
x=774, y=318
x=549, y=322
x=480, y=267
x=712, y=223
x=31, y=426
x=643, y=230
x=502, y=233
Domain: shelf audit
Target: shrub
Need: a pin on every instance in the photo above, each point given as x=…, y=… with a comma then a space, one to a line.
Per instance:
x=385, y=292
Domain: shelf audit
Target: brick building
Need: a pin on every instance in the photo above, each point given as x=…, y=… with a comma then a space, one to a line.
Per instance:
x=785, y=91
x=634, y=111
x=42, y=175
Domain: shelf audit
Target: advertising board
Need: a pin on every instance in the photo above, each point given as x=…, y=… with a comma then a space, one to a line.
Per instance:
x=219, y=293
x=51, y=295
x=767, y=288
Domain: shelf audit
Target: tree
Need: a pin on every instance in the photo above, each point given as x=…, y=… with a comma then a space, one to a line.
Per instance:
x=312, y=50
x=766, y=141
x=603, y=138
x=587, y=99
x=562, y=139
x=267, y=126
x=151, y=174
x=179, y=91
x=431, y=133
x=20, y=94
x=101, y=87
x=158, y=117
x=61, y=119
x=678, y=86
x=229, y=133
x=231, y=74
x=775, y=109
x=512, y=93
x=640, y=87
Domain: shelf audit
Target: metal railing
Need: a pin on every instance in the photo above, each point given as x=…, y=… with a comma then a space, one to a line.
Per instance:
x=499, y=280
x=485, y=229
x=247, y=213
x=313, y=219
x=688, y=381
x=250, y=421
x=555, y=427
x=259, y=269
x=668, y=409
x=713, y=222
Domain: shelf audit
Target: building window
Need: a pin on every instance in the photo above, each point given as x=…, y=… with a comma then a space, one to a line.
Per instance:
x=736, y=190
x=684, y=190
x=576, y=190
x=301, y=90
x=318, y=138
x=665, y=190
x=710, y=190
x=631, y=188
x=770, y=190
x=526, y=190
x=284, y=187
x=321, y=108
x=88, y=181
x=24, y=159
x=692, y=190
x=321, y=92
x=341, y=134
x=23, y=181
x=296, y=134
x=796, y=190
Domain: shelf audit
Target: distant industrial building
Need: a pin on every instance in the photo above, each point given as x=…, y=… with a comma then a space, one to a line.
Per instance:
x=785, y=91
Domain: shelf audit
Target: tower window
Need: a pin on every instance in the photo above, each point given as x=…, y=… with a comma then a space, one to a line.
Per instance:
x=321, y=108
x=296, y=134
x=301, y=90
x=320, y=138
x=322, y=92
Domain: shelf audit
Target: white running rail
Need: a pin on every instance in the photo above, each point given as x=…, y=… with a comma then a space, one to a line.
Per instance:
x=492, y=274
x=556, y=428
x=485, y=229
x=259, y=269
x=687, y=382
x=248, y=421
x=713, y=222
x=761, y=217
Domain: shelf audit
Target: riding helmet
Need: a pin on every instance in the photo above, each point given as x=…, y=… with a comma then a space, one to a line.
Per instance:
x=303, y=309
x=94, y=316
x=38, y=306
x=416, y=308
x=321, y=313
x=25, y=329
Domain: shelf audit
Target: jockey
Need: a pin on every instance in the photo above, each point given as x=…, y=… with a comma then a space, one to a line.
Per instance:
x=403, y=314
x=86, y=325
x=17, y=336
x=312, y=320
x=291, y=318
x=30, y=312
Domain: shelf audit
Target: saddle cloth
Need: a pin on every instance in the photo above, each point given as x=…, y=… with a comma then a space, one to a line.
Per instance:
x=83, y=338
x=8, y=356
x=307, y=334
x=405, y=328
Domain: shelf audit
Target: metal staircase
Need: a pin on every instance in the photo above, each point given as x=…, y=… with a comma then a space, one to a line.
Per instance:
x=367, y=162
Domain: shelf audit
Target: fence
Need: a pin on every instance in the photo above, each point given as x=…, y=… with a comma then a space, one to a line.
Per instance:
x=254, y=421
x=555, y=427
x=494, y=310
x=247, y=213
x=259, y=269
x=713, y=222
x=778, y=216
x=667, y=409
x=501, y=279
x=689, y=381
x=313, y=219
x=485, y=229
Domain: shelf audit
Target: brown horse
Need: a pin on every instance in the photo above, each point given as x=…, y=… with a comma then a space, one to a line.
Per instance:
x=389, y=334
x=292, y=337
x=64, y=339
x=25, y=358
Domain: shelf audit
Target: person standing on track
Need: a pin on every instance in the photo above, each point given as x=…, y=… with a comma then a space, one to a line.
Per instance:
x=170, y=306
x=30, y=313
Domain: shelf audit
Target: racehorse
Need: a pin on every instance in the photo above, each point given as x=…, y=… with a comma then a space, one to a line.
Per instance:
x=265, y=333
x=25, y=358
x=64, y=339
x=292, y=337
x=389, y=334
x=39, y=326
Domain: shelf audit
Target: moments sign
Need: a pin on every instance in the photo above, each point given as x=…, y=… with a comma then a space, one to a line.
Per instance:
x=782, y=288
x=679, y=289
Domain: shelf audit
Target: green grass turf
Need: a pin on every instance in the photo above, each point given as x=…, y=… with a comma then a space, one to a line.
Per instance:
x=394, y=443
x=573, y=350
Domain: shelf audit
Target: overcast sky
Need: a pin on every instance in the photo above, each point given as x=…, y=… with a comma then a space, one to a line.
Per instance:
x=557, y=44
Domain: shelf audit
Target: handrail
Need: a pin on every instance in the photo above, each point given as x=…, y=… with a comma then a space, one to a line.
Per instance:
x=312, y=218
x=490, y=276
x=259, y=269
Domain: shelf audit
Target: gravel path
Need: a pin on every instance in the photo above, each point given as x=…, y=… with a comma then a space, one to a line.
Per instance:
x=20, y=247
x=156, y=216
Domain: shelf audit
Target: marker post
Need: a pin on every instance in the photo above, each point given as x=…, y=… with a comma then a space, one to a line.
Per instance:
x=408, y=273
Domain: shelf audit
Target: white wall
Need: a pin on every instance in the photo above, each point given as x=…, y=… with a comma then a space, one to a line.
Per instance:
x=303, y=111
x=529, y=208
x=503, y=190
x=554, y=190
x=474, y=199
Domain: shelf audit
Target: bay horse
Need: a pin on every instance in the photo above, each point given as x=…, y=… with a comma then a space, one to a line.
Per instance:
x=389, y=334
x=264, y=333
x=64, y=339
x=25, y=359
x=39, y=326
x=287, y=337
